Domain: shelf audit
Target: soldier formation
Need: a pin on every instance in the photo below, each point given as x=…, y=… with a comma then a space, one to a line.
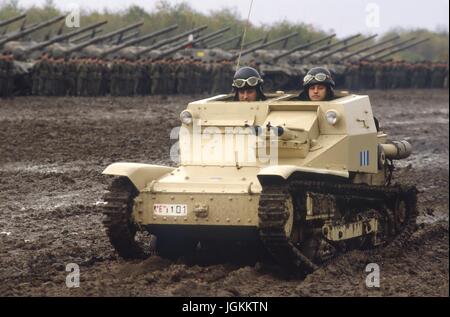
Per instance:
x=54, y=75
x=392, y=75
x=168, y=66
x=123, y=76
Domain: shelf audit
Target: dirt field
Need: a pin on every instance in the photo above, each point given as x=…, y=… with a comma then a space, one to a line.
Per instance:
x=54, y=149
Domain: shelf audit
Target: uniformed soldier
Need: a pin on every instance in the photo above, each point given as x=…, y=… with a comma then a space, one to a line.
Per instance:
x=318, y=85
x=155, y=78
x=10, y=74
x=247, y=85
x=3, y=74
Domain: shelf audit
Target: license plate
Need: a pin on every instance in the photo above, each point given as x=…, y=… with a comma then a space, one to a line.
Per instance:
x=170, y=210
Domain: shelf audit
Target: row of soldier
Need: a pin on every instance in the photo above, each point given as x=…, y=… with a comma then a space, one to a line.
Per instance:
x=125, y=77
x=53, y=75
x=392, y=75
x=92, y=76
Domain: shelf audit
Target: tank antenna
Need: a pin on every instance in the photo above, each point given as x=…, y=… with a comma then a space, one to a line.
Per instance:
x=243, y=36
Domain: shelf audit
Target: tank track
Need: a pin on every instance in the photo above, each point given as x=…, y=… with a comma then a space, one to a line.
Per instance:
x=117, y=218
x=273, y=214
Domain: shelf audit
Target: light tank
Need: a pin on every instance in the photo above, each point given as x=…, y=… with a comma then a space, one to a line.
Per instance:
x=305, y=180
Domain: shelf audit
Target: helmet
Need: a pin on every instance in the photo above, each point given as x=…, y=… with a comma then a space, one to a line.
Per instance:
x=248, y=77
x=318, y=75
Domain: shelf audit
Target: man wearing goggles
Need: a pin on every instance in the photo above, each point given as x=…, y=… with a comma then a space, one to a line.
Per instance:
x=317, y=85
x=247, y=85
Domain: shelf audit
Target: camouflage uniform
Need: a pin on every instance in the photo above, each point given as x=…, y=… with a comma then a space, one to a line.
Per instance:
x=3, y=75
x=155, y=78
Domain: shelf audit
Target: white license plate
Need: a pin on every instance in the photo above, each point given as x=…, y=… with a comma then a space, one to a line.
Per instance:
x=169, y=210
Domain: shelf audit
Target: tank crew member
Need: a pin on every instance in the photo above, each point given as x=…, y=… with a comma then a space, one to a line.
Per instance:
x=318, y=85
x=247, y=85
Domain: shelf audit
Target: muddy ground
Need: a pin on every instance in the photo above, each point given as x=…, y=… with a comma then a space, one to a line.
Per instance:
x=52, y=152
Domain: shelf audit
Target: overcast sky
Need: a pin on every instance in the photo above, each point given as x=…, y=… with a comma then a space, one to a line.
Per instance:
x=344, y=16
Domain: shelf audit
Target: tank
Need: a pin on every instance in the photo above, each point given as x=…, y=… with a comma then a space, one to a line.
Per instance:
x=300, y=181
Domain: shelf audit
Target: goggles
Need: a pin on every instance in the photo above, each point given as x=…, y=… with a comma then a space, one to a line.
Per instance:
x=251, y=81
x=319, y=77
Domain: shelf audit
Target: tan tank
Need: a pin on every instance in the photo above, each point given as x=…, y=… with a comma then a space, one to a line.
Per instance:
x=306, y=180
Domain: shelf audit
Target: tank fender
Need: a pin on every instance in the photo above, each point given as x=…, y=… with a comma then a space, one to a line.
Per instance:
x=139, y=174
x=283, y=172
